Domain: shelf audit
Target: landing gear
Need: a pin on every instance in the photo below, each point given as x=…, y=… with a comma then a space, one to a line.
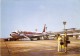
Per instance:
x=38, y=38
x=46, y=37
x=31, y=39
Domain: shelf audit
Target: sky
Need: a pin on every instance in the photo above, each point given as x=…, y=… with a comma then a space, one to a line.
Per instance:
x=28, y=15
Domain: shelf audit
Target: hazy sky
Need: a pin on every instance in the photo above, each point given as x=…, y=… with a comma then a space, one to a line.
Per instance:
x=0, y=18
x=31, y=14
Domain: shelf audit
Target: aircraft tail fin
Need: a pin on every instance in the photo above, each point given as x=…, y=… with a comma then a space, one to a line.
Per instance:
x=44, y=29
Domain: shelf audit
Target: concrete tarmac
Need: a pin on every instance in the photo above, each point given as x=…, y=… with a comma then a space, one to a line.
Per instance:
x=37, y=48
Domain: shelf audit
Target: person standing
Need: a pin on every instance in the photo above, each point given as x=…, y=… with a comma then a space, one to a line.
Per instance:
x=66, y=42
x=60, y=43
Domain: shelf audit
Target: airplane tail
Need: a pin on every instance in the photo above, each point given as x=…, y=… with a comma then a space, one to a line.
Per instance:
x=45, y=28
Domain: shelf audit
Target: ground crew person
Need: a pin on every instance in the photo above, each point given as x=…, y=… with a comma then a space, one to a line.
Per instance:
x=60, y=43
x=66, y=41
